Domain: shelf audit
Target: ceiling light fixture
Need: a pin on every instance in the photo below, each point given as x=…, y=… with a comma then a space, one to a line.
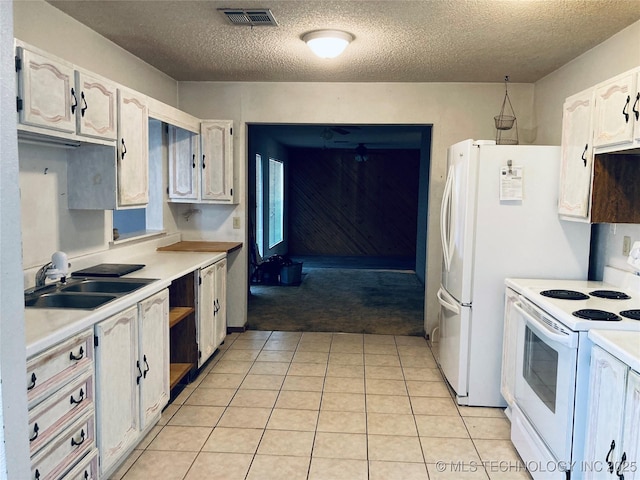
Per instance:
x=327, y=43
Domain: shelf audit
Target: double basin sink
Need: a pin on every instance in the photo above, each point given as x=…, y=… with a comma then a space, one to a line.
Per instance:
x=83, y=293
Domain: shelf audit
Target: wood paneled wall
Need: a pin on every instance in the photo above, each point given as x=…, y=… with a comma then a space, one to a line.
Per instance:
x=338, y=206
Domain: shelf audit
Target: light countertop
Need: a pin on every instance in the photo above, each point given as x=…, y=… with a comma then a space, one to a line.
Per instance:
x=45, y=327
x=625, y=346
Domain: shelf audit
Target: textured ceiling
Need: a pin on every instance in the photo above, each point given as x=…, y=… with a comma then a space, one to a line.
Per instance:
x=395, y=40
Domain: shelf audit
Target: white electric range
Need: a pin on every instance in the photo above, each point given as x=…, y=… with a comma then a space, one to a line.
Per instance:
x=546, y=356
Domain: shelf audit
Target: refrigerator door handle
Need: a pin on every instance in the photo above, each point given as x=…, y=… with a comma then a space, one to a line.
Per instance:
x=445, y=220
x=452, y=307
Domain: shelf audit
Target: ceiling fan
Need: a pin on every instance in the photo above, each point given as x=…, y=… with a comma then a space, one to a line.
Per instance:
x=327, y=132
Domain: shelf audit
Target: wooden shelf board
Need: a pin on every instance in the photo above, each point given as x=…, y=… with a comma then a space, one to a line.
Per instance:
x=186, y=246
x=177, y=371
x=177, y=314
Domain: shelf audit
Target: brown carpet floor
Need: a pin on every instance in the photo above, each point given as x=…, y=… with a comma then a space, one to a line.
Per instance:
x=388, y=302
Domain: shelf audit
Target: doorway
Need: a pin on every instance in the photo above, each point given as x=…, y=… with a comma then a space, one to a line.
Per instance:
x=354, y=198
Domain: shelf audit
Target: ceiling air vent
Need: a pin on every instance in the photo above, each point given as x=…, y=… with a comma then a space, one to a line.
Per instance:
x=251, y=18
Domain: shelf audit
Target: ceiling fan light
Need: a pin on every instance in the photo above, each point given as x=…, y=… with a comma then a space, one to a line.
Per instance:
x=327, y=43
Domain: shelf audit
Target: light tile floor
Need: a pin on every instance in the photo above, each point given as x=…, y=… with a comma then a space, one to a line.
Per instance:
x=323, y=406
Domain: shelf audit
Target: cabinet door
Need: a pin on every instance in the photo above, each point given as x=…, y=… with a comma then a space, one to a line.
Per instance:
x=607, y=383
x=577, y=156
x=509, y=356
x=184, y=162
x=206, y=320
x=220, y=302
x=614, y=120
x=631, y=436
x=117, y=369
x=217, y=161
x=133, y=149
x=47, y=92
x=154, y=356
x=96, y=107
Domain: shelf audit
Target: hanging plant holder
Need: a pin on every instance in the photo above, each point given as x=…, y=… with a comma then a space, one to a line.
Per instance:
x=506, y=120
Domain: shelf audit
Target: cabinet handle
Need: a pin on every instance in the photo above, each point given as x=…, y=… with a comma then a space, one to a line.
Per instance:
x=203, y=164
x=84, y=104
x=37, y=474
x=75, y=101
x=139, y=373
x=33, y=381
x=76, y=444
x=146, y=368
x=194, y=160
x=584, y=153
x=608, y=457
x=635, y=107
x=74, y=401
x=124, y=149
x=626, y=107
x=36, y=429
x=623, y=462
x=86, y=475
x=79, y=357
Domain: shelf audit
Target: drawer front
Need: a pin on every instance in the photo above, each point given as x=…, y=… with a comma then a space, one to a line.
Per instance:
x=52, y=369
x=53, y=461
x=57, y=412
x=87, y=469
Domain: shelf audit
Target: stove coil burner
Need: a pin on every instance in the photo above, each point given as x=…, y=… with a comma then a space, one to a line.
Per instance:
x=632, y=314
x=610, y=294
x=564, y=294
x=597, y=315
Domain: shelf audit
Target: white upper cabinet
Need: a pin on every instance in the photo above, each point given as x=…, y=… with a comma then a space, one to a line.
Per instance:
x=217, y=161
x=47, y=96
x=201, y=166
x=56, y=96
x=96, y=111
x=184, y=162
x=614, y=111
x=577, y=156
x=133, y=149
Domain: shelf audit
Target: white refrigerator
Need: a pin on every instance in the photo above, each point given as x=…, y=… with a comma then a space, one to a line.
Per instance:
x=499, y=219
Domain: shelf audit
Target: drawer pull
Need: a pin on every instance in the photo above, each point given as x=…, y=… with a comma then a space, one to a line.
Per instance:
x=146, y=369
x=86, y=475
x=36, y=429
x=37, y=474
x=74, y=401
x=608, y=458
x=33, y=382
x=79, y=357
x=76, y=444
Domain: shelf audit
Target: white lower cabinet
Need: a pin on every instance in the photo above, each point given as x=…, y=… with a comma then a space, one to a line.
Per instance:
x=212, y=319
x=612, y=446
x=61, y=408
x=132, y=376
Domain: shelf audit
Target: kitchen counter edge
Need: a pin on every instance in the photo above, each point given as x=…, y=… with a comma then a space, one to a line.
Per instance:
x=46, y=327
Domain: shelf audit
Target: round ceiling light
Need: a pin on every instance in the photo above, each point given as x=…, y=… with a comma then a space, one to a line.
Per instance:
x=327, y=43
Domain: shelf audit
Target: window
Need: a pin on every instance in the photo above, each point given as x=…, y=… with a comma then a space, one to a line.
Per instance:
x=259, y=206
x=276, y=202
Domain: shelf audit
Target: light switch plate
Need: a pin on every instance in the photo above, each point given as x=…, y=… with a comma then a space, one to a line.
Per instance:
x=236, y=223
x=626, y=245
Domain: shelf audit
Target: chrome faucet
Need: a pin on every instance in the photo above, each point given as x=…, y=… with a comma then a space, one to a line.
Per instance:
x=56, y=269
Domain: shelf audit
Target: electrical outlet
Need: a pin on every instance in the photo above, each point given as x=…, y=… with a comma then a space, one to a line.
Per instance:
x=626, y=245
x=236, y=223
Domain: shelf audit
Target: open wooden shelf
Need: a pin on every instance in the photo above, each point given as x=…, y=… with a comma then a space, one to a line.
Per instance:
x=177, y=371
x=177, y=314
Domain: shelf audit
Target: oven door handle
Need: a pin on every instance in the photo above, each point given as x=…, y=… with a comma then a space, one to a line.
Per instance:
x=452, y=307
x=544, y=331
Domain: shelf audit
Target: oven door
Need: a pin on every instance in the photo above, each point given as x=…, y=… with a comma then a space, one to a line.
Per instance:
x=546, y=376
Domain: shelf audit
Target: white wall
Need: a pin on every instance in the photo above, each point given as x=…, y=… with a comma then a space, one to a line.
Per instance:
x=618, y=54
x=456, y=110
x=14, y=447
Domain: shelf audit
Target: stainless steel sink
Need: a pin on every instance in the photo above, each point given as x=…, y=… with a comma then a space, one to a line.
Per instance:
x=66, y=300
x=83, y=293
x=122, y=285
